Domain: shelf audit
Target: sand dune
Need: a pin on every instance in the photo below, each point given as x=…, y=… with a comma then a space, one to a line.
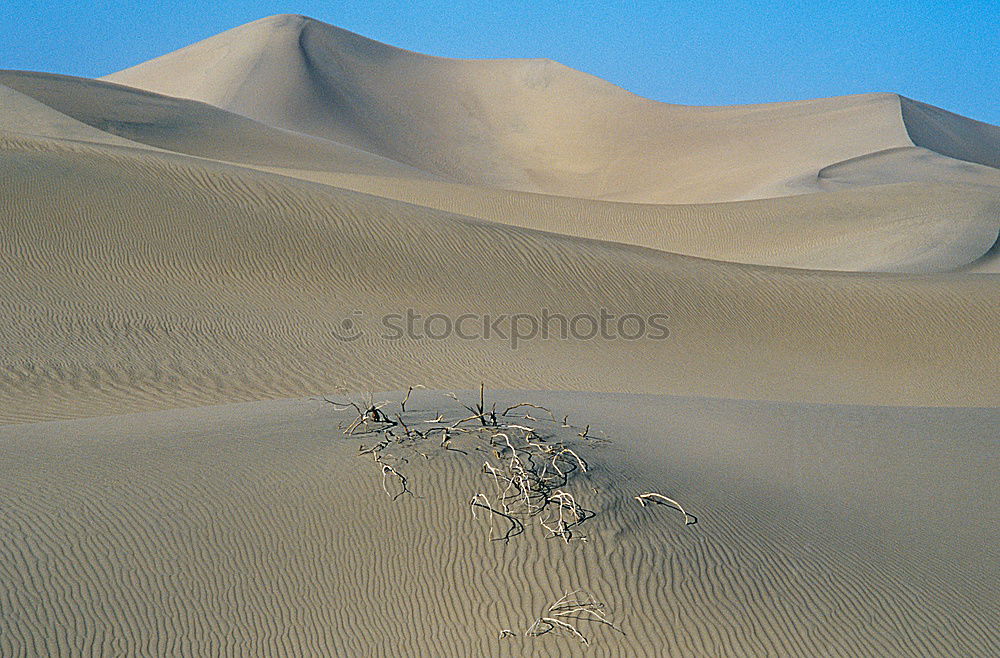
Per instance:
x=930, y=227
x=151, y=281
x=536, y=125
x=256, y=528
x=951, y=134
x=25, y=115
x=905, y=165
x=234, y=224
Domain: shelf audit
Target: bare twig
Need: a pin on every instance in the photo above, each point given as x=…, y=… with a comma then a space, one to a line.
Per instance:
x=544, y=625
x=341, y=406
x=402, y=405
x=381, y=445
x=479, y=410
x=567, y=515
x=582, y=606
x=566, y=451
x=479, y=417
x=516, y=527
x=652, y=497
x=389, y=470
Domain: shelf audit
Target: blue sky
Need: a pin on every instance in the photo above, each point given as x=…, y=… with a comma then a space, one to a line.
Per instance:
x=946, y=53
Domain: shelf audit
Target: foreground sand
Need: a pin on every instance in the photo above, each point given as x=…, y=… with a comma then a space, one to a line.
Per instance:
x=256, y=528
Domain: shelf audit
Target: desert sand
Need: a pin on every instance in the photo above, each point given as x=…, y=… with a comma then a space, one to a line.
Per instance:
x=185, y=242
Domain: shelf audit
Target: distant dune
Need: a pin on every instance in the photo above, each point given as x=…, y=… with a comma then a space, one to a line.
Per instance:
x=232, y=223
x=536, y=125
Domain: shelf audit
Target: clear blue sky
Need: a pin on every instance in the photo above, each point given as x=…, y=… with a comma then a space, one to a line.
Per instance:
x=707, y=52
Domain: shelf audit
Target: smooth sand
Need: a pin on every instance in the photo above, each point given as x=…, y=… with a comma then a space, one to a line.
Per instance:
x=826, y=398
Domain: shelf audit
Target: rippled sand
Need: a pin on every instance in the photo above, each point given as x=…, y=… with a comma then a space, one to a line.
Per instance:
x=179, y=252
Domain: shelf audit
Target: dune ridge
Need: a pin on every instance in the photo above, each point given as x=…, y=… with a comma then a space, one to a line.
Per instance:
x=867, y=225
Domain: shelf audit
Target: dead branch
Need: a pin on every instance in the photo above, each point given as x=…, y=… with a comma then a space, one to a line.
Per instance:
x=389, y=470
x=660, y=499
x=402, y=405
x=567, y=515
x=533, y=406
x=406, y=430
x=566, y=451
x=544, y=625
x=577, y=605
x=584, y=607
x=342, y=406
x=372, y=414
x=381, y=445
x=479, y=417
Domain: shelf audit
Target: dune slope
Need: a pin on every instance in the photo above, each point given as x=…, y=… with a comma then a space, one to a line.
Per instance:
x=950, y=134
x=151, y=281
x=123, y=115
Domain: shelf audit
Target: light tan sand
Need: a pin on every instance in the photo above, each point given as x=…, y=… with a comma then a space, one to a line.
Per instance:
x=829, y=273
x=256, y=529
x=918, y=227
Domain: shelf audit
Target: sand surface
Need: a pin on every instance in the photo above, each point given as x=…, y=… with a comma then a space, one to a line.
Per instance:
x=257, y=528
x=185, y=244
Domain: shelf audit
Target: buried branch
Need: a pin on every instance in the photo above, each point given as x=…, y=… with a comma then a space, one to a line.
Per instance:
x=579, y=606
x=520, y=405
x=531, y=476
